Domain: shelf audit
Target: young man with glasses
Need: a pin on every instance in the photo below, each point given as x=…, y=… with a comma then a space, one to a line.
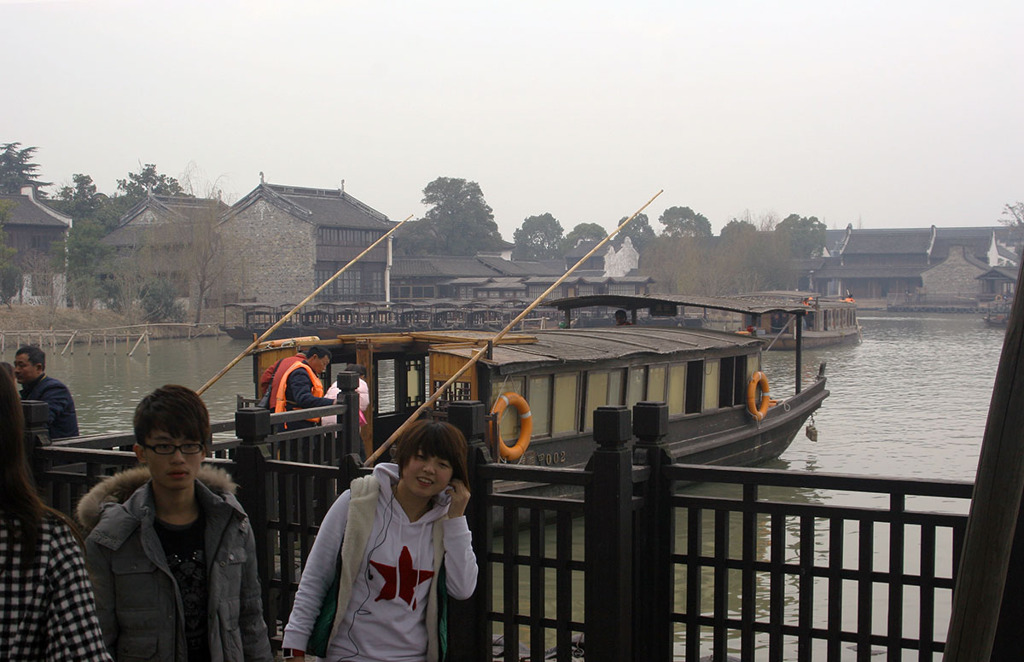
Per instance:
x=169, y=548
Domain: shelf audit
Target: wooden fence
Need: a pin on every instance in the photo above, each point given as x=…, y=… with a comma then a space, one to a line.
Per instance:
x=632, y=558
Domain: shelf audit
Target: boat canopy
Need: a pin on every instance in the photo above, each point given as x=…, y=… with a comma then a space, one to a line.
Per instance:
x=597, y=345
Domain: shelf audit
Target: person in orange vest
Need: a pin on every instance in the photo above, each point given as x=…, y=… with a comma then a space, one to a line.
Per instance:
x=267, y=380
x=300, y=386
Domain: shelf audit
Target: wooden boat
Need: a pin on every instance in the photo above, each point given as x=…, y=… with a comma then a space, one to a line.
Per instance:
x=719, y=408
x=997, y=314
x=825, y=321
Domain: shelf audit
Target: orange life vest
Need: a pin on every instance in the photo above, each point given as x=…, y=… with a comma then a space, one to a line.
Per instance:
x=280, y=403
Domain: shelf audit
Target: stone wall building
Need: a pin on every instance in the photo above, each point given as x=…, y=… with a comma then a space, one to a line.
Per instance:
x=290, y=239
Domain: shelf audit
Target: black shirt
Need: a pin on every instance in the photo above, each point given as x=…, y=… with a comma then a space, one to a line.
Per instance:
x=184, y=546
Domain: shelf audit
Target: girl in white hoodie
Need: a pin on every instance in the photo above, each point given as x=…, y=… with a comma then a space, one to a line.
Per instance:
x=392, y=534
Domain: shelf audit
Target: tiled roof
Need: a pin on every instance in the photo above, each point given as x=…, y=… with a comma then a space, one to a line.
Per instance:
x=444, y=266
x=889, y=242
x=518, y=268
x=321, y=207
x=35, y=213
x=874, y=271
x=333, y=207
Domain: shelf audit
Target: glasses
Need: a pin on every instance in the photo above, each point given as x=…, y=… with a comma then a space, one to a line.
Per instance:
x=190, y=448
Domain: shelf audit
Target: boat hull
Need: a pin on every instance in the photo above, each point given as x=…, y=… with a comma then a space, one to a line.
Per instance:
x=812, y=339
x=728, y=437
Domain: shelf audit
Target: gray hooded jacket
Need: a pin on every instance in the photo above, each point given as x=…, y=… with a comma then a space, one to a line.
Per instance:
x=137, y=600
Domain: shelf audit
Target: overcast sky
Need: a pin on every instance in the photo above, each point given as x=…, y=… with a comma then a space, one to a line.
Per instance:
x=903, y=113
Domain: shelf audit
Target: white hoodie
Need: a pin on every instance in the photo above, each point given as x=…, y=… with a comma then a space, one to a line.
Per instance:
x=385, y=618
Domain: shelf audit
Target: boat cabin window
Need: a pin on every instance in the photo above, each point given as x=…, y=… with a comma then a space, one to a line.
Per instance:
x=712, y=372
x=597, y=396
x=565, y=405
x=384, y=403
x=694, y=387
x=539, y=397
x=604, y=387
x=415, y=380
x=676, y=388
x=727, y=382
x=656, y=383
x=637, y=386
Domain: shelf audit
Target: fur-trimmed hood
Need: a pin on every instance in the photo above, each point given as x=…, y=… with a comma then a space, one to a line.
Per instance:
x=119, y=487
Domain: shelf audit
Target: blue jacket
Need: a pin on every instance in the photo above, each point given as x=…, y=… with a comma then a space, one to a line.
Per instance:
x=63, y=419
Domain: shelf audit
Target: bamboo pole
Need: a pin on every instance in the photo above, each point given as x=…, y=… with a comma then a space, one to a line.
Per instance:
x=70, y=340
x=501, y=334
x=137, y=342
x=257, y=341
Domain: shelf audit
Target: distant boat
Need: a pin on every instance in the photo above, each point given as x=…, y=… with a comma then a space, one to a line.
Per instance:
x=997, y=314
x=827, y=320
x=719, y=407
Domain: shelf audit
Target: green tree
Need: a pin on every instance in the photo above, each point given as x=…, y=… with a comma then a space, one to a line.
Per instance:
x=17, y=169
x=639, y=231
x=736, y=230
x=79, y=201
x=806, y=235
x=88, y=259
x=137, y=185
x=159, y=302
x=459, y=222
x=684, y=222
x=539, y=238
x=583, y=232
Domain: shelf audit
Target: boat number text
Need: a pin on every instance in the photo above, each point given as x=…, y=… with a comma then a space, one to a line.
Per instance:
x=558, y=457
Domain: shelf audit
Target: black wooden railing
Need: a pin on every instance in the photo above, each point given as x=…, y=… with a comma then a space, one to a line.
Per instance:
x=632, y=558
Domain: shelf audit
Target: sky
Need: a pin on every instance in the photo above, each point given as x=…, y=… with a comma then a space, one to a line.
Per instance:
x=877, y=114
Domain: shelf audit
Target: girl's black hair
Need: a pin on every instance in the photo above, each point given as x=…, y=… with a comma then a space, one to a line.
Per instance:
x=434, y=439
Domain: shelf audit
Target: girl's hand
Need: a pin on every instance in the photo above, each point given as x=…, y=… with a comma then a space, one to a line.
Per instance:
x=459, y=493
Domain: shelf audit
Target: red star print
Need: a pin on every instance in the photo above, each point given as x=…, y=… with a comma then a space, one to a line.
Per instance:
x=402, y=580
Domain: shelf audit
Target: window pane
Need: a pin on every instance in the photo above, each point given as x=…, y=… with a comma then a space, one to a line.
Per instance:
x=676, y=388
x=694, y=387
x=615, y=390
x=637, y=381
x=656, y=383
x=540, y=405
x=564, y=415
x=711, y=369
x=597, y=396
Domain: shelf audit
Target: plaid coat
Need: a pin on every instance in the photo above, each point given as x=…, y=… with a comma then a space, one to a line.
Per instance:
x=46, y=608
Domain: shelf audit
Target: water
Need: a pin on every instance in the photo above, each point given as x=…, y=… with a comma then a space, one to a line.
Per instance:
x=107, y=384
x=910, y=401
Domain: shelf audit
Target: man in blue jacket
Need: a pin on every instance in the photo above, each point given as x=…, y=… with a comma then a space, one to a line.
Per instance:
x=30, y=371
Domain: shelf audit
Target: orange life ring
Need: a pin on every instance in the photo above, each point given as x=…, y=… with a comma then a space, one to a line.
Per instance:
x=507, y=452
x=758, y=380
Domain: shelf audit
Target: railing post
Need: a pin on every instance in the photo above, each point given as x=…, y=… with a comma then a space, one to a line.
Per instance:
x=471, y=641
x=348, y=382
x=608, y=583
x=653, y=538
x=37, y=433
x=253, y=426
